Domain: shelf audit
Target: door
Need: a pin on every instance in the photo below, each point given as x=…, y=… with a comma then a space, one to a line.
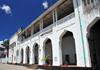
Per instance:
x=67, y=58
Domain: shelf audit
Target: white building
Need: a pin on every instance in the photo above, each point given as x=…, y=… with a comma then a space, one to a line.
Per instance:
x=69, y=31
x=1, y=50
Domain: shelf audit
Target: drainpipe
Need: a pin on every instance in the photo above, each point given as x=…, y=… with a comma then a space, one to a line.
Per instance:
x=81, y=32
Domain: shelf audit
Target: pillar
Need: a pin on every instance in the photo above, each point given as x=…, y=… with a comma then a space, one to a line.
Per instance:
x=24, y=58
x=31, y=55
x=56, y=16
x=41, y=24
x=53, y=16
x=32, y=30
x=26, y=34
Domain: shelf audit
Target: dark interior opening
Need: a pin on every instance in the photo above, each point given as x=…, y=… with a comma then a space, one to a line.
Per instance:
x=94, y=44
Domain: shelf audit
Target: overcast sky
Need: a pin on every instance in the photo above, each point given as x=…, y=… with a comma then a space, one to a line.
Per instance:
x=19, y=13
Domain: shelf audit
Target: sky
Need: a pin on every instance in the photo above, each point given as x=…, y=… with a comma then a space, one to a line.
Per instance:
x=19, y=13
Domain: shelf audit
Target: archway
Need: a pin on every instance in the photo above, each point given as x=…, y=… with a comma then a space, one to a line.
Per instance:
x=67, y=48
x=48, y=51
x=94, y=44
x=28, y=54
x=21, y=55
x=35, y=52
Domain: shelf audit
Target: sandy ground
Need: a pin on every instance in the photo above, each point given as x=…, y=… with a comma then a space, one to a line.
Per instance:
x=14, y=67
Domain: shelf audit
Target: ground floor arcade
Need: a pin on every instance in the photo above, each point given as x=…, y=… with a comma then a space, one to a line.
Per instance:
x=30, y=55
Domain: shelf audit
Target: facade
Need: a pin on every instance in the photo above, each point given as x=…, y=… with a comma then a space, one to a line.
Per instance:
x=1, y=50
x=68, y=31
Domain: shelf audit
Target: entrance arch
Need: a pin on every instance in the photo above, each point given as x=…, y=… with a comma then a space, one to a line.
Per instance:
x=94, y=44
x=48, y=50
x=28, y=54
x=21, y=55
x=35, y=52
x=67, y=48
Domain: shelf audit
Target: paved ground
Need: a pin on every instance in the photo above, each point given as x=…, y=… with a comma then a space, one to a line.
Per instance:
x=14, y=67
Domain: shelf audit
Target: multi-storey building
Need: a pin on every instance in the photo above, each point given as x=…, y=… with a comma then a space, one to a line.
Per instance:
x=68, y=31
x=1, y=50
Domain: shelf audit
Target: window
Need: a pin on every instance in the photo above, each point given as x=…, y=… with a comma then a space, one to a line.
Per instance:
x=85, y=2
x=88, y=2
x=1, y=49
x=92, y=1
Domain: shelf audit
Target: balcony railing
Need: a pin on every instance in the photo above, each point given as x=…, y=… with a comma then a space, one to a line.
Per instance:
x=47, y=28
x=90, y=4
x=70, y=16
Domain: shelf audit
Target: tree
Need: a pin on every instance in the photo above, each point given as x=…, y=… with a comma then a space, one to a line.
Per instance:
x=6, y=45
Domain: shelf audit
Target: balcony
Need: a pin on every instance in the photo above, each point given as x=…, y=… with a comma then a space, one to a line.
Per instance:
x=63, y=12
x=49, y=28
x=90, y=4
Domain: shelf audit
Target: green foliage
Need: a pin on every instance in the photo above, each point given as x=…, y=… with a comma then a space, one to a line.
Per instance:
x=5, y=43
x=66, y=62
x=47, y=57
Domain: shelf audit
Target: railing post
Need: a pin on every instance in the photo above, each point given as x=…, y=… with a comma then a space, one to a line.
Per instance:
x=32, y=30
x=26, y=34
x=53, y=16
x=56, y=16
x=41, y=24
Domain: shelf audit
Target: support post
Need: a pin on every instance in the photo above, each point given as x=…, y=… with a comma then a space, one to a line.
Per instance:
x=32, y=29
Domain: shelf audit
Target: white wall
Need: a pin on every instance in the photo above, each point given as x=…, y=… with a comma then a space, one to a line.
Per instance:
x=68, y=47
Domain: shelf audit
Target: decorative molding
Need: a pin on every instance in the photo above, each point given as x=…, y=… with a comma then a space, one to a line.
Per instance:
x=49, y=31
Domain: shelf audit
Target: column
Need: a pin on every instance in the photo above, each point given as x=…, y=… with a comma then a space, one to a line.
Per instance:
x=26, y=34
x=41, y=24
x=53, y=16
x=32, y=30
x=19, y=49
x=20, y=55
x=56, y=52
x=60, y=52
x=56, y=16
x=24, y=58
x=31, y=55
x=41, y=54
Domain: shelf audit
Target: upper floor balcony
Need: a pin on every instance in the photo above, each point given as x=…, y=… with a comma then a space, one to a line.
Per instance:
x=90, y=4
x=62, y=13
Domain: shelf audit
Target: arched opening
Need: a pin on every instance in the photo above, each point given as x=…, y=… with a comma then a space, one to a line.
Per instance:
x=94, y=44
x=28, y=54
x=67, y=48
x=48, y=51
x=21, y=55
x=17, y=55
x=35, y=51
